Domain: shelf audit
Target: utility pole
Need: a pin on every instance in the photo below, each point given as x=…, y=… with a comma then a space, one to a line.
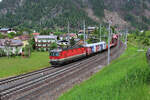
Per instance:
x=119, y=31
x=84, y=31
x=68, y=29
x=118, y=39
x=100, y=30
x=109, y=43
x=126, y=38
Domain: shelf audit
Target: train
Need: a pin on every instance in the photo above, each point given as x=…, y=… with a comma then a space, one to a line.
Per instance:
x=61, y=56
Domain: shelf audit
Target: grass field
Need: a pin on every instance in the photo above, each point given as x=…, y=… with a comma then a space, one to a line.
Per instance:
x=20, y=65
x=126, y=78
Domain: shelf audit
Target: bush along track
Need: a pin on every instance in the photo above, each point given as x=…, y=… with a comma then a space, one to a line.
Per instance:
x=126, y=78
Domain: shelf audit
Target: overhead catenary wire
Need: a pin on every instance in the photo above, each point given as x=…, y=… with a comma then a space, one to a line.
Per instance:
x=68, y=28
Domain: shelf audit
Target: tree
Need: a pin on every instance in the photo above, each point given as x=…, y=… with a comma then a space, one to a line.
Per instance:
x=145, y=38
x=45, y=32
x=146, y=42
x=1, y=36
x=11, y=35
x=32, y=44
x=147, y=34
x=137, y=32
x=104, y=33
x=27, y=50
x=96, y=32
x=90, y=40
x=113, y=29
x=19, y=33
x=58, y=33
x=53, y=46
x=81, y=37
x=2, y=53
x=72, y=42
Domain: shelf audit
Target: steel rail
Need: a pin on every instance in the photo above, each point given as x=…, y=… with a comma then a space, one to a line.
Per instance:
x=43, y=78
x=11, y=79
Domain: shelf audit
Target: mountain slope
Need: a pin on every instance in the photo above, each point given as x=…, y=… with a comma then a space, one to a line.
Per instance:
x=49, y=13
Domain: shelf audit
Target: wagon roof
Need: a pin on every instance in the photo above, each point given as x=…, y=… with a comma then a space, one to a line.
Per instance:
x=93, y=44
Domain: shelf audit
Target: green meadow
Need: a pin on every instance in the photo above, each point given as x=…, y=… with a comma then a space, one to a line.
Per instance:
x=18, y=65
x=126, y=78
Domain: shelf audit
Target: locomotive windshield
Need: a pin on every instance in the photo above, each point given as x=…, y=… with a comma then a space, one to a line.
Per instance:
x=54, y=53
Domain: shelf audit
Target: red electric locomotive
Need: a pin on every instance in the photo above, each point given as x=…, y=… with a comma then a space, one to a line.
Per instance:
x=61, y=56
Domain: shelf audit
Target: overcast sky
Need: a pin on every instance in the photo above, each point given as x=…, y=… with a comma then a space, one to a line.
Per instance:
x=0, y=0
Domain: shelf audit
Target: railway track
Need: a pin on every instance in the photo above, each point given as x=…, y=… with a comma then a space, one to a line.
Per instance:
x=18, y=80
x=36, y=79
x=6, y=84
x=55, y=88
x=11, y=79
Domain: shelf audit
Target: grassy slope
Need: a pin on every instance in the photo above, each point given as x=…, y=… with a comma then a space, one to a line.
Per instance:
x=124, y=79
x=19, y=65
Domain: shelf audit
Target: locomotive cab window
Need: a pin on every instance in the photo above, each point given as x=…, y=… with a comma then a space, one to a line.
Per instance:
x=57, y=54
